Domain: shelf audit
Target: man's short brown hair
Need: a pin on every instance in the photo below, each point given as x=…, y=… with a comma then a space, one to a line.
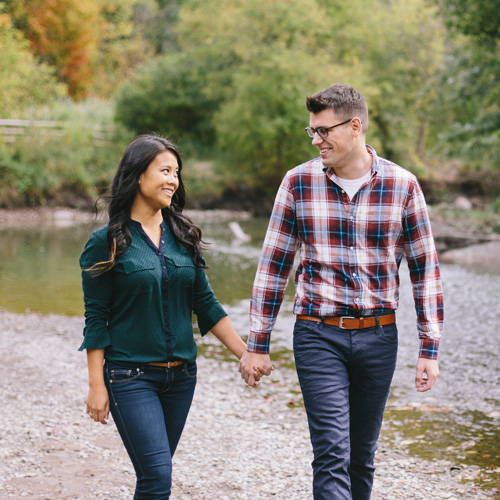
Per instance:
x=343, y=100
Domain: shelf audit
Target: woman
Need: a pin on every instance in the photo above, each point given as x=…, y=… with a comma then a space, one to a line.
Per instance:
x=143, y=276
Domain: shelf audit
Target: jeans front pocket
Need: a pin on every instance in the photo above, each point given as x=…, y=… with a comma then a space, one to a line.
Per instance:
x=190, y=370
x=119, y=375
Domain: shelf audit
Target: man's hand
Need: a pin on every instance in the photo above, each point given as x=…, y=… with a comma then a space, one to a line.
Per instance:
x=253, y=366
x=427, y=373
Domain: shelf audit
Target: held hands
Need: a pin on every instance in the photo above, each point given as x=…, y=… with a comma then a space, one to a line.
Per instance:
x=97, y=406
x=253, y=366
x=427, y=373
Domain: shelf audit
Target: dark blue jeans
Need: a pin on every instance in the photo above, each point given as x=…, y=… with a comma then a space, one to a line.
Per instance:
x=150, y=405
x=345, y=377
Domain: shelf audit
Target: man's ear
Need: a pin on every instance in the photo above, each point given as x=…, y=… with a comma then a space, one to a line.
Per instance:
x=356, y=126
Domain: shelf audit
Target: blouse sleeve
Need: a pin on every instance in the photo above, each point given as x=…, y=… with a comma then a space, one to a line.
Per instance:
x=97, y=295
x=206, y=306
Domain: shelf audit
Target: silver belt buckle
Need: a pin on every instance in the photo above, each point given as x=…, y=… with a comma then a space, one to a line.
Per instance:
x=341, y=321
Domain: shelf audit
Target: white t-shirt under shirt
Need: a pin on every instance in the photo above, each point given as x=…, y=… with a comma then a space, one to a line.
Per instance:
x=351, y=186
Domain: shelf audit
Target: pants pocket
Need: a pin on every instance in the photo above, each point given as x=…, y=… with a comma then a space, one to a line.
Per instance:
x=117, y=375
x=190, y=370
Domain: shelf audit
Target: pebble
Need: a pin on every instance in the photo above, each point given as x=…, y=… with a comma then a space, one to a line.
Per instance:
x=239, y=443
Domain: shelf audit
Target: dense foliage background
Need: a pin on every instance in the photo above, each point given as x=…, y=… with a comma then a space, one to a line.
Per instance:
x=227, y=80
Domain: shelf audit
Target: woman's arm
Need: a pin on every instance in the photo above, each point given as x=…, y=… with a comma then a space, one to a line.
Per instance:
x=97, y=399
x=225, y=332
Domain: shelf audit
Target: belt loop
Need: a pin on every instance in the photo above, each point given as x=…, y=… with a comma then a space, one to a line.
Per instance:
x=378, y=324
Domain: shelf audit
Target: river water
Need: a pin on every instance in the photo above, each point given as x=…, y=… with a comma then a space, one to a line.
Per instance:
x=458, y=419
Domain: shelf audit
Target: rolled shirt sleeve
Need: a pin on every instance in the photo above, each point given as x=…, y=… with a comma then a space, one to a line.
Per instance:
x=97, y=295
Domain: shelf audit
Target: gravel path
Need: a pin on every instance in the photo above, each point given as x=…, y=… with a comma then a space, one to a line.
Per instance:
x=238, y=444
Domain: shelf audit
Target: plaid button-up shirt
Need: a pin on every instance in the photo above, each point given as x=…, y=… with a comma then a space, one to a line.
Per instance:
x=350, y=251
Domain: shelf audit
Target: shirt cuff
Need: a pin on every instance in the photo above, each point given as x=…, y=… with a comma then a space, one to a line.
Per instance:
x=428, y=348
x=95, y=342
x=258, y=342
x=210, y=318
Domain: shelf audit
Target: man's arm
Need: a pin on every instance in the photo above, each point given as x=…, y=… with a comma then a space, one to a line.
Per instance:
x=421, y=255
x=275, y=264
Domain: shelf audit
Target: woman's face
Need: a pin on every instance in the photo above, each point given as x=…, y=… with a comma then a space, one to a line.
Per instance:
x=158, y=183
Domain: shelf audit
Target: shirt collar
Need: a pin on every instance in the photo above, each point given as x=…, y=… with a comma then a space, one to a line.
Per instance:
x=371, y=151
x=375, y=162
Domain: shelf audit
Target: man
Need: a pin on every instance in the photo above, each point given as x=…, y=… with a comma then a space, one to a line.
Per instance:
x=353, y=215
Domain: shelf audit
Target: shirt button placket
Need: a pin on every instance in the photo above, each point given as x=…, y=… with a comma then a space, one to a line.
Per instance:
x=352, y=256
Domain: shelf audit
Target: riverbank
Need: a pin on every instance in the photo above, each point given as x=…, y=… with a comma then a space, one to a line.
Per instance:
x=64, y=217
x=453, y=228
x=239, y=443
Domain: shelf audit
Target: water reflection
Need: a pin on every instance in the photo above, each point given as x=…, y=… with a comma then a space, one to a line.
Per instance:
x=39, y=268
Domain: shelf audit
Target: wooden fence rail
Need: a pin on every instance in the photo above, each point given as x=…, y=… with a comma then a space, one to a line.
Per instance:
x=11, y=130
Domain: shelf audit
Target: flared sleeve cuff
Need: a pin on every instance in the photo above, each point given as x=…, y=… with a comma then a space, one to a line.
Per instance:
x=210, y=318
x=99, y=340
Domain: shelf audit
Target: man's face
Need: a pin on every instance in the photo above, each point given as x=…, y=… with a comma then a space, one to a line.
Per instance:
x=334, y=149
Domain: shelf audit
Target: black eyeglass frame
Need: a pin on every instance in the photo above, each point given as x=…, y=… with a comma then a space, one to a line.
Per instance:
x=310, y=131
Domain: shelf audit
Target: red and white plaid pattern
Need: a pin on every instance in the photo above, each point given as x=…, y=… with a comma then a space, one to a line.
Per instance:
x=350, y=251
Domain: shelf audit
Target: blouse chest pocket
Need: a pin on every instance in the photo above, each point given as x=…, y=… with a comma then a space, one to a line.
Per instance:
x=135, y=276
x=181, y=270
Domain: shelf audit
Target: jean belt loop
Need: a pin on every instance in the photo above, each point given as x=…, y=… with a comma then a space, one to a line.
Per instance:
x=378, y=324
x=322, y=321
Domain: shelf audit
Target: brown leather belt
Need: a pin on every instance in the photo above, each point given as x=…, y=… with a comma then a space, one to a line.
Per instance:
x=169, y=364
x=352, y=323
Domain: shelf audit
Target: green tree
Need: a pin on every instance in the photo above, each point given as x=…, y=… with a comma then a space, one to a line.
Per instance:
x=238, y=80
x=122, y=43
x=473, y=91
x=479, y=19
x=401, y=46
x=18, y=87
x=263, y=61
x=167, y=96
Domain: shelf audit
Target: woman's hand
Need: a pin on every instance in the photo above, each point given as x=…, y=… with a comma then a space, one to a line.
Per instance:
x=98, y=404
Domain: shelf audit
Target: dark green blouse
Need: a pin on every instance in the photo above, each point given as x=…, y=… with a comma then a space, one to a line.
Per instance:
x=124, y=307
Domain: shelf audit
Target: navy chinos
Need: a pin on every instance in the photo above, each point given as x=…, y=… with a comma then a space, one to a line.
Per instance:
x=345, y=377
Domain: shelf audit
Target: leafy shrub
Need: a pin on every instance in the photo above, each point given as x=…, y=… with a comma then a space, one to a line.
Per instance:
x=69, y=164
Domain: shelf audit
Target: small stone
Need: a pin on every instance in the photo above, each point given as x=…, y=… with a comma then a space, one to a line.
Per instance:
x=462, y=203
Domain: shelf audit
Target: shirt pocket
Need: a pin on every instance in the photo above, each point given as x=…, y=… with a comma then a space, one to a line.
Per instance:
x=136, y=277
x=182, y=271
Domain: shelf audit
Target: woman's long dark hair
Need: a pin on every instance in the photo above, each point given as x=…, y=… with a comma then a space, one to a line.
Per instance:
x=136, y=159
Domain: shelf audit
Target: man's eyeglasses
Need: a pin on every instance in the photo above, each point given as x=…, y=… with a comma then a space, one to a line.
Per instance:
x=323, y=131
